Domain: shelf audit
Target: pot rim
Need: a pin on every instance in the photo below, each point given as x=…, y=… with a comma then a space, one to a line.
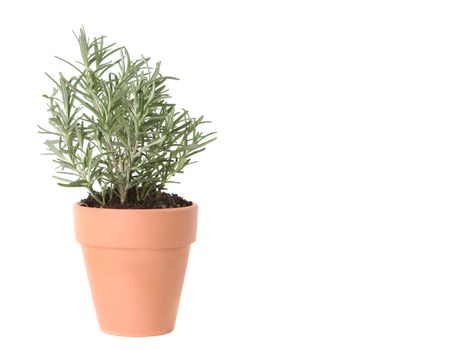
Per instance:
x=135, y=228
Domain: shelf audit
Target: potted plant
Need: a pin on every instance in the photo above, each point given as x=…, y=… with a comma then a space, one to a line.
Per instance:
x=113, y=131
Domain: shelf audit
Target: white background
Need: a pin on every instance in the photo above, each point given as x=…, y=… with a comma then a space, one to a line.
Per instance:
x=334, y=207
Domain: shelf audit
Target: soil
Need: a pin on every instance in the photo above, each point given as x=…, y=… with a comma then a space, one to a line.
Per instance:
x=159, y=200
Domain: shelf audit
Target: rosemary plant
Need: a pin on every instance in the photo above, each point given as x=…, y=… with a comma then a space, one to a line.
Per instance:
x=111, y=127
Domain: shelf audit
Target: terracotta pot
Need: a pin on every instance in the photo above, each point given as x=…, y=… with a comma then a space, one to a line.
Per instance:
x=136, y=262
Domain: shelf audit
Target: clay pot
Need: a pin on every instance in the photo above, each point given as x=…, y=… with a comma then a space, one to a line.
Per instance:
x=136, y=261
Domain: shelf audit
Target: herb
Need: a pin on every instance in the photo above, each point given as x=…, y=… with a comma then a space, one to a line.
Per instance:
x=112, y=128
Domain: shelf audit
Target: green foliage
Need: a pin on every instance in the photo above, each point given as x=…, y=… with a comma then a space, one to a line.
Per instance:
x=111, y=127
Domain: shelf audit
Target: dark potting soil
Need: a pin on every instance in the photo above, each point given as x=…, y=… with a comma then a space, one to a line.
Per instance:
x=159, y=200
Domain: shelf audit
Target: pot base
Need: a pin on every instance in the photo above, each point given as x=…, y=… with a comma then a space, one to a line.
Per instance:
x=137, y=335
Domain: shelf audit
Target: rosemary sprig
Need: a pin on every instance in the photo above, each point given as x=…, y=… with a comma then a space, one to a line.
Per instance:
x=111, y=128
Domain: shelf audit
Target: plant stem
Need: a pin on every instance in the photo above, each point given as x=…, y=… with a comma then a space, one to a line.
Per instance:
x=90, y=190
